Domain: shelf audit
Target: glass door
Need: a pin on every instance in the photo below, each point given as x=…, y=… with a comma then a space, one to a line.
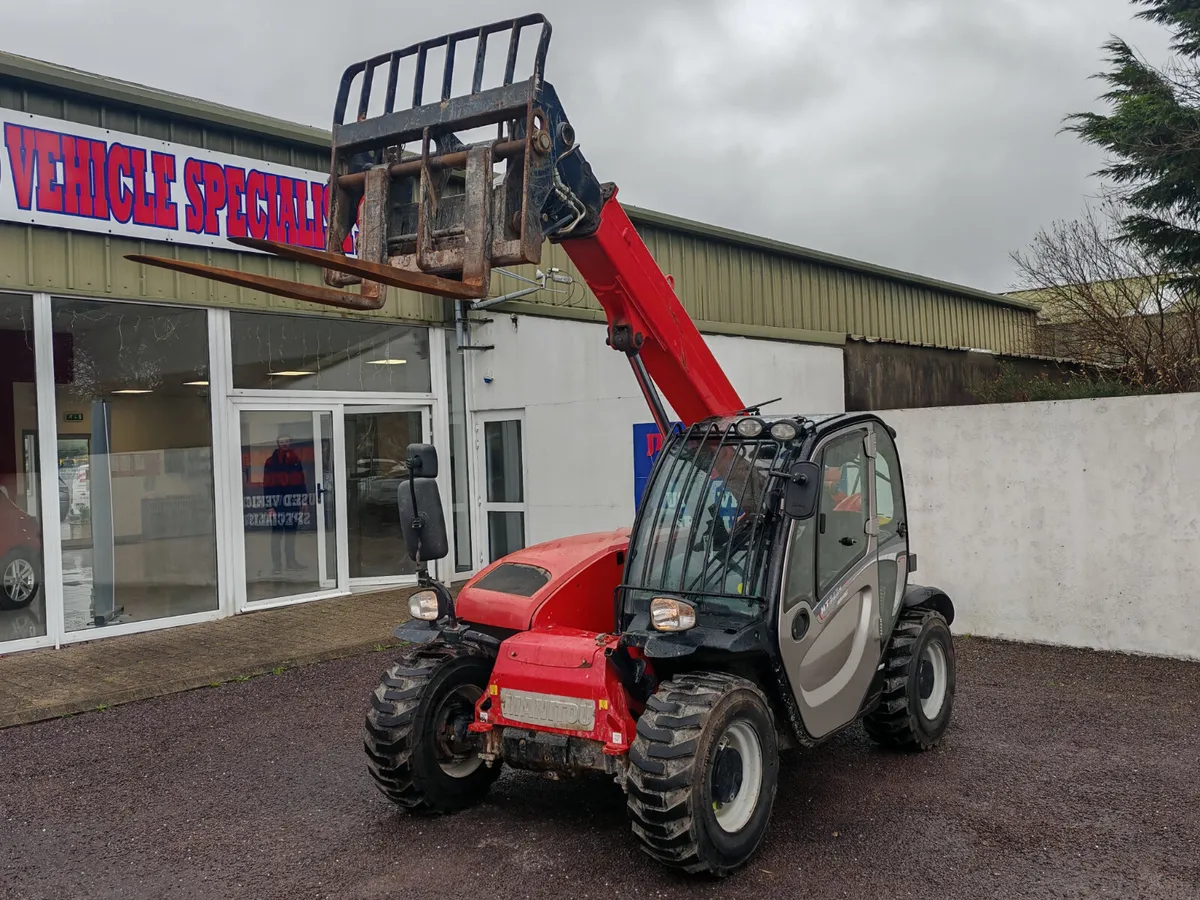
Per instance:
x=503, y=495
x=376, y=447
x=288, y=503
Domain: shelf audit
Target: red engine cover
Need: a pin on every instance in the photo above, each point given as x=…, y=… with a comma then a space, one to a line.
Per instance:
x=577, y=575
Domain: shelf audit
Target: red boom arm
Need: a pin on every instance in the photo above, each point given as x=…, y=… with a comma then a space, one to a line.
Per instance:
x=640, y=303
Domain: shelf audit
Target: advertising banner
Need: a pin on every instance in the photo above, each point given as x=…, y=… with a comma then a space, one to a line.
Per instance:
x=62, y=175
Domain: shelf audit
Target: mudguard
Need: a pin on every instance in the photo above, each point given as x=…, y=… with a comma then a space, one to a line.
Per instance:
x=932, y=597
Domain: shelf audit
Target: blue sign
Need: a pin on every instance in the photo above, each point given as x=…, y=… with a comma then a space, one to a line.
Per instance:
x=647, y=445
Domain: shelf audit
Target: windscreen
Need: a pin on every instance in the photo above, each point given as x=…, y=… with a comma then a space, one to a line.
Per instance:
x=702, y=532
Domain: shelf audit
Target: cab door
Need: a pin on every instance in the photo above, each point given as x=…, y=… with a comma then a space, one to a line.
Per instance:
x=892, y=540
x=829, y=609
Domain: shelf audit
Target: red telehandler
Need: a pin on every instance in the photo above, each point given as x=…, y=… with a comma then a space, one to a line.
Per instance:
x=761, y=600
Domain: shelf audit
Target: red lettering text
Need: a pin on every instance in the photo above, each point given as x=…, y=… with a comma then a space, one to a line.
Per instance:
x=193, y=216
x=214, y=196
x=120, y=197
x=235, y=218
x=166, y=213
x=143, y=203
x=77, y=176
x=98, y=182
x=274, y=232
x=50, y=193
x=256, y=190
x=287, y=210
x=19, y=142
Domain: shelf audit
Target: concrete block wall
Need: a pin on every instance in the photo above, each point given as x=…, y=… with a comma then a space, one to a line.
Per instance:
x=1073, y=522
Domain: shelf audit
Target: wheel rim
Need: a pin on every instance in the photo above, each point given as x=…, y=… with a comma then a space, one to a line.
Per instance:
x=19, y=580
x=736, y=778
x=456, y=756
x=931, y=679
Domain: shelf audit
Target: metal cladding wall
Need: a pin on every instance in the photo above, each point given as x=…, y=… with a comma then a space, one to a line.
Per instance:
x=733, y=283
x=730, y=283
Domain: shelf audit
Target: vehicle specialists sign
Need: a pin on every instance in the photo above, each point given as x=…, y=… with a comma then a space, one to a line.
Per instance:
x=62, y=175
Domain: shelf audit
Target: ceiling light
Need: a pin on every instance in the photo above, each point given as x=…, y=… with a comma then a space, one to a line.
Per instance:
x=132, y=391
x=195, y=384
x=386, y=362
x=292, y=373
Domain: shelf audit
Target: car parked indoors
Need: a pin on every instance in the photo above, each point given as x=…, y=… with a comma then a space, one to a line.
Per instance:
x=20, y=555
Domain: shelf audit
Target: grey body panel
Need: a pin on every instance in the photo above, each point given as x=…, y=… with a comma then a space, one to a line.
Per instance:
x=830, y=666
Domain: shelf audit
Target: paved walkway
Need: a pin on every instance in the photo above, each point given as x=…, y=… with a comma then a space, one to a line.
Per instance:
x=46, y=684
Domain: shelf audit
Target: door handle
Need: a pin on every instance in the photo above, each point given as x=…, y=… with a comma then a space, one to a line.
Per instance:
x=848, y=541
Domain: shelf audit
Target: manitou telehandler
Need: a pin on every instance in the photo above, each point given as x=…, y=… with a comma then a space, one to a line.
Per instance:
x=761, y=599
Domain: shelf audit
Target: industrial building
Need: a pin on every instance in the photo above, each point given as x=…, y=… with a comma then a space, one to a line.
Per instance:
x=154, y=418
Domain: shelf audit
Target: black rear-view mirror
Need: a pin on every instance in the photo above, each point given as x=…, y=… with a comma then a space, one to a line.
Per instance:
x=803, y=489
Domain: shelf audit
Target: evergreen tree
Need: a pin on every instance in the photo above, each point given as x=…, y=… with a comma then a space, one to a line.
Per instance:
x=1152, y=136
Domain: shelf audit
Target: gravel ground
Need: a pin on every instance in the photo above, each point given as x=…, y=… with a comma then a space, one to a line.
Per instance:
x=1065, y=774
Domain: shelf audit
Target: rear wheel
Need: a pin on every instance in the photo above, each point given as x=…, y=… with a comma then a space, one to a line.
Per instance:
x=419, y=751
x=703, y=771
x=918, y=691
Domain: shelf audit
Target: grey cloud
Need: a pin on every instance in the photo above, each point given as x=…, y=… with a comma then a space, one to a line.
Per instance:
x=921, y=135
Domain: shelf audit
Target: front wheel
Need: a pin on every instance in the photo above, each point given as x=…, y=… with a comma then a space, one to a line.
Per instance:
x=703, y=771
x=918, y=691
x=419, y=751
x=20, y=580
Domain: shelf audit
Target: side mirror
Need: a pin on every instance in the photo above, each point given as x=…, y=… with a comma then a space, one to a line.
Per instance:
x=803, y=490
x=421, y=505
x=422, y=460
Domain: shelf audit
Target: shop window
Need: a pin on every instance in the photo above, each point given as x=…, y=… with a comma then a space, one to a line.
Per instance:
x=320, y=353
x=22, y=591
x=135, y=451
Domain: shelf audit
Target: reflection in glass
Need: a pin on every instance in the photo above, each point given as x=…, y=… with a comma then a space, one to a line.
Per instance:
x=506, y=533
x=287, y=503
x=135, y=457
x=502, y=443
x=376, y=450
x=22, y=591
x=307, y=353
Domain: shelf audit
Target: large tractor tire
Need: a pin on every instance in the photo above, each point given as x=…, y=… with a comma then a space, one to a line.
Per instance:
x=919, y=680
x=418, y=749
x=703, y=771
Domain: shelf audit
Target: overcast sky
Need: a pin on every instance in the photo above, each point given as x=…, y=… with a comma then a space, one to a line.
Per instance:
x=920, y=134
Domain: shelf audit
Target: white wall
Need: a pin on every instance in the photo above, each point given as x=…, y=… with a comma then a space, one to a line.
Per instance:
x=1070, y=522
x=581, y=402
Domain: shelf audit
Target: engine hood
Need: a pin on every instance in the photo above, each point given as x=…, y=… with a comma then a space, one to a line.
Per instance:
x=565, y=582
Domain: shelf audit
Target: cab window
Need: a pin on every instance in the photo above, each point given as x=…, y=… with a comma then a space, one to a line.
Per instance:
x=889, y=489
x=844, y=507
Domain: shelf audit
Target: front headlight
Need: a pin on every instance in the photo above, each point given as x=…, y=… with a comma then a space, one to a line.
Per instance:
x=423, y=605
x=669, y=614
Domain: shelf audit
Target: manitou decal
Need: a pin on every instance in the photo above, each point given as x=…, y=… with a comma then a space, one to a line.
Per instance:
x=61, y=175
